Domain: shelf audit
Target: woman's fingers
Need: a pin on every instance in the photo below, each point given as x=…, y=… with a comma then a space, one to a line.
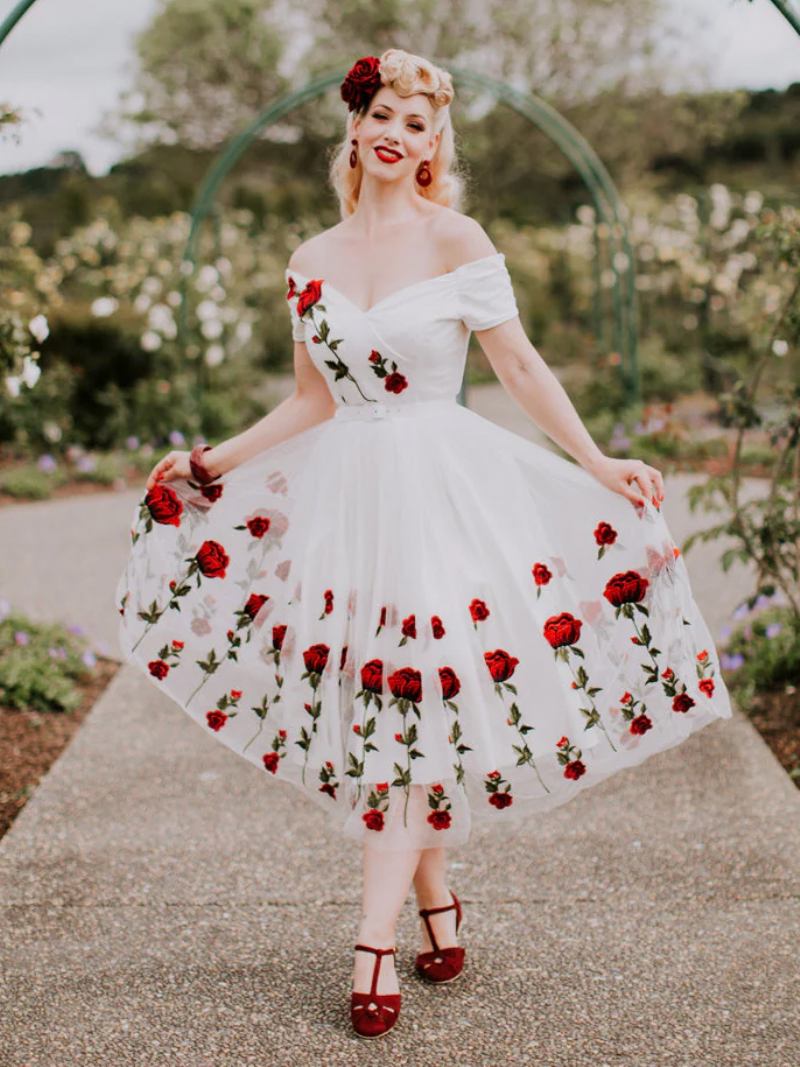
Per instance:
x=161, y=470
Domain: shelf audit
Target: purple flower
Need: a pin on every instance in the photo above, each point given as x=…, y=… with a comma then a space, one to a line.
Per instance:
x=86, y=463
x=731, y=663
x=75, y=629
x=46, y=463
x=774, y=629
x=21, y=637
x=177, y=438
x=741, y=612
x=132, y=442
x=89, y=658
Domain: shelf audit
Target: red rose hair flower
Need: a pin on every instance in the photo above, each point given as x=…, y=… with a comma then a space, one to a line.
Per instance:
x=361, y=82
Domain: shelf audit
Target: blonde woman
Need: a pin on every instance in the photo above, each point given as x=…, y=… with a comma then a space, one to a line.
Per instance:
x=422, y=621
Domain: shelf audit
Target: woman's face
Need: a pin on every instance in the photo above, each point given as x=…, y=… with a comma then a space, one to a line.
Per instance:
x=403, y=124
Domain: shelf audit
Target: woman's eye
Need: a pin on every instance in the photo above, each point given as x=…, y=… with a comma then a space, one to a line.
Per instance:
x=414, y=125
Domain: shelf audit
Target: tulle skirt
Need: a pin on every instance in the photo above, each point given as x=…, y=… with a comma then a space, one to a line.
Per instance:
x=421, y=620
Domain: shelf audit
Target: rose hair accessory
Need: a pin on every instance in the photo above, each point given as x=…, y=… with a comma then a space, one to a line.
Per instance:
x=361, y=82
x=200, y=472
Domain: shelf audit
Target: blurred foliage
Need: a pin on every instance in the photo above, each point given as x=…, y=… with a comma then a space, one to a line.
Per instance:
x=40, y=664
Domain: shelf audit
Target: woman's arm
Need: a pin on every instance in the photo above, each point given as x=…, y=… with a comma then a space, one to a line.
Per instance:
x=311, y=402
x=529, y=381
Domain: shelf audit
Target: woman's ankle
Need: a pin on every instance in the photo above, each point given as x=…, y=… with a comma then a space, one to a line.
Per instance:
x=433, y=896
x=376, y=936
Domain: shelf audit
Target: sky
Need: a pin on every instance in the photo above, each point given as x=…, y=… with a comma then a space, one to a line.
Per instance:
x=67, y=60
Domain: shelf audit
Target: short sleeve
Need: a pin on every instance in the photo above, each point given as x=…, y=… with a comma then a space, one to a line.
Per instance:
x=298, y=326
x=485, y=293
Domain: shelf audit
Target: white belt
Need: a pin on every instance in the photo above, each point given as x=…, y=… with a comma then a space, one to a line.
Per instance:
x=373, y=410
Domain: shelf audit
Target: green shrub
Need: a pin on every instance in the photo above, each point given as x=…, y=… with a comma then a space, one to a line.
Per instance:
x=39, y=665
x=30, y=483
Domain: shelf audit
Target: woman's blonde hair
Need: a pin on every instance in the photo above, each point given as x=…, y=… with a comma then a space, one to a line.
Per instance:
x=406, y=74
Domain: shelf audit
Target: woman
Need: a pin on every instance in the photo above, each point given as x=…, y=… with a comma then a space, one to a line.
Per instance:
x=416, y=617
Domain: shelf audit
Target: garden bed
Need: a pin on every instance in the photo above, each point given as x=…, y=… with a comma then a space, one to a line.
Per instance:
x=31, y=741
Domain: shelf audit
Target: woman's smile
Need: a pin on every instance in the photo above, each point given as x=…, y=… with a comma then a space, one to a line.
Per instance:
x=387, y=155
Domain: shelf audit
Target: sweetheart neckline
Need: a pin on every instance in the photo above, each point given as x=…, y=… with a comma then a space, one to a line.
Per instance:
x=402, y=289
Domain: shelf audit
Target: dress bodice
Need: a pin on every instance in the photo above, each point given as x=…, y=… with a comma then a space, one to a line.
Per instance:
x=412, y=344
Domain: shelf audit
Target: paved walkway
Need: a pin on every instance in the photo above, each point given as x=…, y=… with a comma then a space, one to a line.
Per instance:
x=161, y=907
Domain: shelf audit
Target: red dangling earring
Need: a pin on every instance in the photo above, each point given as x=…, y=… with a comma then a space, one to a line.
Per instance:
x=353, y=154
x=424, y=176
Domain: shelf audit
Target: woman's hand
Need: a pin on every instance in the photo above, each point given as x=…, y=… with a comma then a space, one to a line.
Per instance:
x=632, y=478
x=173, y=465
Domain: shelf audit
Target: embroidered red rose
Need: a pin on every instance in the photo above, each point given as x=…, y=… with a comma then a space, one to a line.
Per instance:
x=682, y=702
x=211, y=492
x=668, y=673
x=235, y=694
x=563, y=743
x=158, y=668
x=177, y=644
x=382, y=787
x=395, y=382
x=278, y=634
x=563, y=629
x=216, y=719
x=258, y=525
x=627, y=587
x=640, y=724
x=605, y=534
x=541, y=573
x=271, y=761
x=212, y=559
x=164, y=505
x=309, y=296
x=574, y=769
x=343, y=658
x=374, y=356
x=373, y=819
x=254, y=604
x=326, y=787
x=706, y=685
x=702, y=656
x=450, y=682
x=406, y=682
x=328, y=595
x=409, y=627
x=315, y=657
x=500, y=800
x=372, y=675
x=437, y=627
x=501, y=665
x=478, y=610
x=440, y=820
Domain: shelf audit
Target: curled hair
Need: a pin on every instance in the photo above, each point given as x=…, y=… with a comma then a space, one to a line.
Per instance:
x=406, y=74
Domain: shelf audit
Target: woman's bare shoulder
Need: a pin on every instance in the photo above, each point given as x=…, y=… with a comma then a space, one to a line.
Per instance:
x=463, y=238
x=317, y=249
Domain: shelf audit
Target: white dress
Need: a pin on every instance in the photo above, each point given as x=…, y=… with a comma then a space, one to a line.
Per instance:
x=420, y=619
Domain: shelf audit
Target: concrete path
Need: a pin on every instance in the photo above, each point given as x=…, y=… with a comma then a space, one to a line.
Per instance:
x=160, y=906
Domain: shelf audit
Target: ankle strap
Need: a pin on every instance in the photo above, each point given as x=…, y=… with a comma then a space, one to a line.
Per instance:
x=432, y=911
x=379, y=954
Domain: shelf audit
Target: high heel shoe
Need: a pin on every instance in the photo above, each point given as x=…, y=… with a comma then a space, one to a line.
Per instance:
x=441, y=964
x=373, y=1014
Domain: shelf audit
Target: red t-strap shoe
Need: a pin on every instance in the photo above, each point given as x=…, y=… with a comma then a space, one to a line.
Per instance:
x=441, y=964
x=373, y=1013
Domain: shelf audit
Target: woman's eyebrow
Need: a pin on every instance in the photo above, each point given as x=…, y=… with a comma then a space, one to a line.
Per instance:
x=412, y=115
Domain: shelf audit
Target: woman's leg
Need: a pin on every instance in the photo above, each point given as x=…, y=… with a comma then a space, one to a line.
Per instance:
x=387, y=877
x=430, y=883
